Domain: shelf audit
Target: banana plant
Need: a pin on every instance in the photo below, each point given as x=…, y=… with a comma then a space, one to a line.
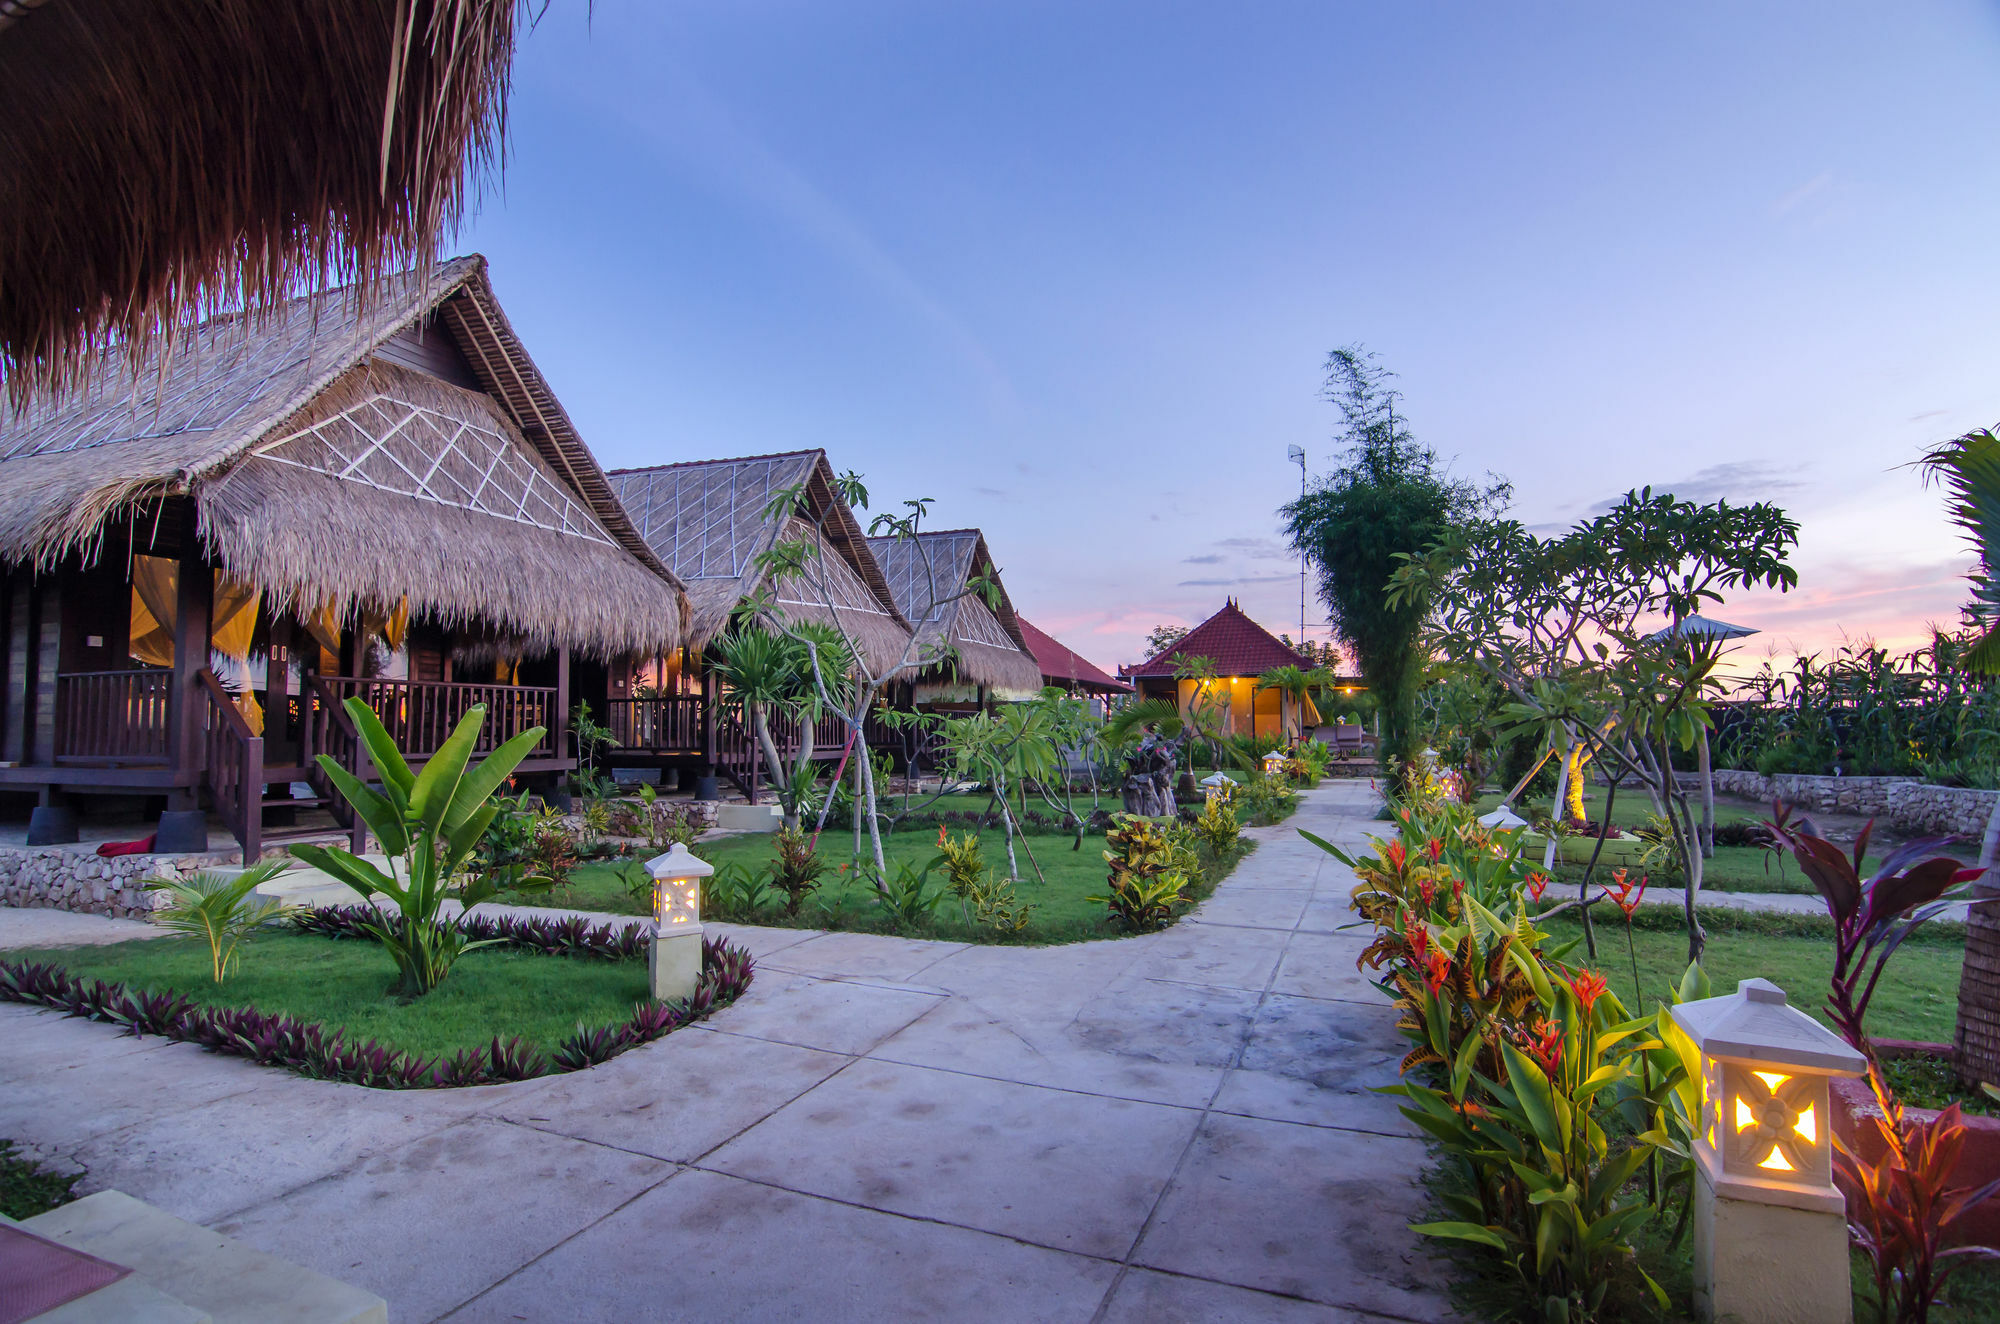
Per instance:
x=429, y=824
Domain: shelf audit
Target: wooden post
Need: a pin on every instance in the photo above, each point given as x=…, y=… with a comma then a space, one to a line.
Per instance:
x=48, y=659
x=16, y=747
x=709, y=695
x=278, y=683
x=559, y=723
x=194, y=603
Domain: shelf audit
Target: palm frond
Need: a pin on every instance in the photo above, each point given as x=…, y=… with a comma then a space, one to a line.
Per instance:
x=1969, y=468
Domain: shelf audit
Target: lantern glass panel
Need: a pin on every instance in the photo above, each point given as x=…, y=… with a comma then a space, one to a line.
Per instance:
x=1774, y=1124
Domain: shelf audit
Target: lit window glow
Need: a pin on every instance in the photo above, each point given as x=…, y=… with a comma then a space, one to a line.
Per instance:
x=1771, y=1079
x=1807, y=1125
x=1777, y=1162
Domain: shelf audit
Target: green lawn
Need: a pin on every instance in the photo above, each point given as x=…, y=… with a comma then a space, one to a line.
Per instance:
x=1731, y=869
x=1061, y=914
x=1917, y=998
x=345, y=984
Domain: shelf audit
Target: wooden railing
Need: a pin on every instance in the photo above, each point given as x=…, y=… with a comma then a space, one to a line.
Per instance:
x=234, y=758
x=113, y=716
x=670, y=724
x=324, y=728
x=421, y=715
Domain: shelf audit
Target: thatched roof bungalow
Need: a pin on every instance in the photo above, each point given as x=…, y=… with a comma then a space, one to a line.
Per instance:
x=930, y=576
x=163, y=162
x=709, y=522
x=279, y=514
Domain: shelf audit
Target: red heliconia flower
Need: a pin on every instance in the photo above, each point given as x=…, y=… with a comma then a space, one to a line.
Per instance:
x=1419, y=938
x=1626, y=895
x=1403, y=814
x=940, y=834
x=1427, y=890
x=1393, y=853
x=1618, y=877
x=1458, y=887
x=1544, y=1043
x=1538, y=883
x=1589, y=987
x=1434, y=848
x=1437, y=968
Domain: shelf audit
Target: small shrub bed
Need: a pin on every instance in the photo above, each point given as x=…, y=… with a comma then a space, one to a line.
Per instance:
x=314, y=1050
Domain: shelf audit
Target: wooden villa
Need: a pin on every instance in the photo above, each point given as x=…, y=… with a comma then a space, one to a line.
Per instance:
x=709, y=522
x=1240, y=650
x=929, y=575
x=375, y=497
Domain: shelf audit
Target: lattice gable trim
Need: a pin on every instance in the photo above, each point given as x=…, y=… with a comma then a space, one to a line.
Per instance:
x=977, y=624
x=827, y=577
x=705, y=521
x=916, y=570
x=414, y=450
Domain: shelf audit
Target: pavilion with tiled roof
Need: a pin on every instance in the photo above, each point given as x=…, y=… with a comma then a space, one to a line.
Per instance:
x=1067, y=669
x=1240, y=650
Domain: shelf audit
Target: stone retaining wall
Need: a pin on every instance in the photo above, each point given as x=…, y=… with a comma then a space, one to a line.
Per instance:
x=1904, y=803
x=75, y=878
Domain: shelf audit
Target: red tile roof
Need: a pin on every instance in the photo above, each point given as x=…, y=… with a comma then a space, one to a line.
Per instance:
x=1238, y=645
x=1061, y=665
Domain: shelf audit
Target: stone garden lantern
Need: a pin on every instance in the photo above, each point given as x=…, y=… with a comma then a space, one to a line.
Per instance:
x=1770, y=1227
x=674, y=964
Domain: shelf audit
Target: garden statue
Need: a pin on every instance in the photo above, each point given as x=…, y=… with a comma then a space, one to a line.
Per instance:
x=1149, y=775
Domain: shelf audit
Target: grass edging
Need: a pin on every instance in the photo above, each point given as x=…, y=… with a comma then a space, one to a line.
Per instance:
x=309, y=1049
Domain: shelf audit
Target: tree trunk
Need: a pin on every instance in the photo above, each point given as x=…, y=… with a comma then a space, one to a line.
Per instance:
x=1977, y=1036
x=1573, y=765
x=1707, y=771
x=761, y=725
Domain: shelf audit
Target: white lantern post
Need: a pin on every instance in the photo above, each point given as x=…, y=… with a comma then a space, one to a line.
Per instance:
x=674, y=964
x=1274, y=763
x=1770, y=1227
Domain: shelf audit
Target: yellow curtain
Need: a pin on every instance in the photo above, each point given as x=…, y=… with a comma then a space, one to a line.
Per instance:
x=153, y=610
x=155, y=587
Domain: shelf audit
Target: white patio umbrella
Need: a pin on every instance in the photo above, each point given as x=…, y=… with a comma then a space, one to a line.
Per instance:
x=1701, y=627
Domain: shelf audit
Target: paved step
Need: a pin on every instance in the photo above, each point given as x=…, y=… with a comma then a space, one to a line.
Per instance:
x=184, y=1272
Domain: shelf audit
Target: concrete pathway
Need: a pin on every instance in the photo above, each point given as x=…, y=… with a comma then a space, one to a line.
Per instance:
x=1173, y=1127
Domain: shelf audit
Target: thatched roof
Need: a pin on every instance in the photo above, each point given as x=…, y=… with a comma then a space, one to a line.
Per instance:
x=924, y=571
x=323, y=467
x=707, y=521
x=164, y=162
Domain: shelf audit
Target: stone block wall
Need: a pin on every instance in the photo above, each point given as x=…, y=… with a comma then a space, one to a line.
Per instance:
x=1904, y=803
x=75, y=878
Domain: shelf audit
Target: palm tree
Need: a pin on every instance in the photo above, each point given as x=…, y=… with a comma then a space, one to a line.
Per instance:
x=1298, y=685
x=1969, y=469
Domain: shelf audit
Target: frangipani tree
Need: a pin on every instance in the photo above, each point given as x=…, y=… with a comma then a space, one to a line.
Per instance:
x=771, y=674
x=1557, y=623
x=848, y=684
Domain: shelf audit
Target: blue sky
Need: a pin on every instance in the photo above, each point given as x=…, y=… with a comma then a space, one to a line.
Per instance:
x=1072, y=270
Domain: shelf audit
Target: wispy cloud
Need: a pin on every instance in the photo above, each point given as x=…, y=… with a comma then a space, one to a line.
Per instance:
x=1233, y=583
x=1257, y=549
x=1213, y=558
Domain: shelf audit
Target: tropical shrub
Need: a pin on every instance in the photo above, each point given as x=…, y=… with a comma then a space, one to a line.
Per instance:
x=736, y=891
x=1151, y=872
x=429, y=823
x=1268, y=799
x=1217, y=826
x=796, y=870
x=1902, y=1211
x=1567, y=1121
x=908, y=896
x=220, y=910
